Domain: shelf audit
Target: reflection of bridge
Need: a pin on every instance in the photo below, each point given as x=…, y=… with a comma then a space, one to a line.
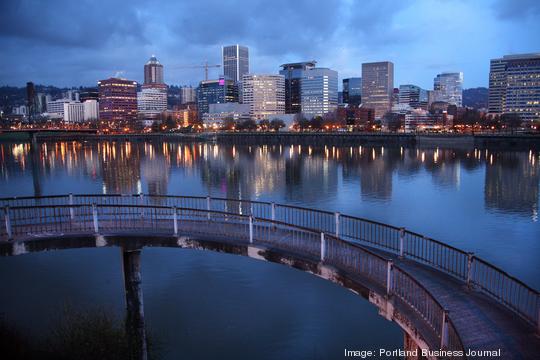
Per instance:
x=443, y=297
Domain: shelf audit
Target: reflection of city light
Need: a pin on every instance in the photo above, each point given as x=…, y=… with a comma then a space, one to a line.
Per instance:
x=423, y=156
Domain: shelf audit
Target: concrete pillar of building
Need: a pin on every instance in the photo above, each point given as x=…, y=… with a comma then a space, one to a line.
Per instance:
x=135, y=328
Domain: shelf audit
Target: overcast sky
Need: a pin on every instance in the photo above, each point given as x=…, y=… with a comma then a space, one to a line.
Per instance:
x=72, y=43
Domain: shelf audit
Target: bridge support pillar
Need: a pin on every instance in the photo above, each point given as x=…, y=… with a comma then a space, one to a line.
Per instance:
x=135, y=328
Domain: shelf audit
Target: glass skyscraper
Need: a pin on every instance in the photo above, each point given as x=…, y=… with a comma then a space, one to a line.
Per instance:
x=378, y=86
x=215, y=92
x=414, y=96
x=514, y=86
x=293, y=74
x=352, y=91
x=448, y=87
x=318, y=91
x=235, y=62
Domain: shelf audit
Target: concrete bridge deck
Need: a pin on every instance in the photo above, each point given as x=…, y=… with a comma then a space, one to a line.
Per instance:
x=436, y=308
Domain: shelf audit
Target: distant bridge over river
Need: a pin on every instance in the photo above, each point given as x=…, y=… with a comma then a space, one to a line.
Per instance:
x=443, y=297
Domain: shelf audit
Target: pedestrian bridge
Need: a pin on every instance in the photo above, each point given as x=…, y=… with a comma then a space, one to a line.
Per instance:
x=442, y=297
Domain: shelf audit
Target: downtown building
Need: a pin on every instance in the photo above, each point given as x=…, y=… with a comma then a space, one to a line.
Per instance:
x=152, y=99
x=378, y=87
x=215, y=92
x=293, y=74
x=318, y=92
x=352, y=91
x=188, y=95
x=414, y=96
x=265, y=95
x=448, y=88
x=117, y=100
x=514, y=86
x=235, y=62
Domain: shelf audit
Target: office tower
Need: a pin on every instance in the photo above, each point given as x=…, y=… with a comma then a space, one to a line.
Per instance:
x=89, y=94
x=152, y=101
x=293, y=74
x=91, y=110
x=318, y=91
x=73, y=112
x=265, y=95
x=448, y=87
x=117, y=100
x=414, y=96
x=188, y=95
x=215, y=92
x=31, y=99
x=235, y=62
x=352, y=91
x=153, y=72
x=378, y=86
x=514, y=86
x=55, y=108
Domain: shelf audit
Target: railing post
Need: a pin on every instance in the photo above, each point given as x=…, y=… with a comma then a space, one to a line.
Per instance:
x=401, y=242
x=95, y=217
x=470, y=257
x=337, y=223
x=141, y=203
x=323, y=247
x=71, y=212
x=175, y=219
x=208, y=207
x=273, y=211
x=250, y=229
x=444, y=330
x=8, y=223
x=389, y=273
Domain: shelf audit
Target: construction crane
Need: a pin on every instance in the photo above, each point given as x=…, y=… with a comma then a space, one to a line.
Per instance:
x=205, y=66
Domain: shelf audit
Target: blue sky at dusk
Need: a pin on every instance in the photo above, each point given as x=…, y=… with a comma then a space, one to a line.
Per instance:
x=72, y=43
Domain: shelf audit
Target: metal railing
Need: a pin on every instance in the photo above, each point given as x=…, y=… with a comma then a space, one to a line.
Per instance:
x=116, y=218
x=466, y=267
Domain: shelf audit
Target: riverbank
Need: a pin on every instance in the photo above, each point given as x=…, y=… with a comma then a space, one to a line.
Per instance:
x=506, y=141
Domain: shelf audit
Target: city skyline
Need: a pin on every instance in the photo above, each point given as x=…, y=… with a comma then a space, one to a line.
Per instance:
x=339, y=35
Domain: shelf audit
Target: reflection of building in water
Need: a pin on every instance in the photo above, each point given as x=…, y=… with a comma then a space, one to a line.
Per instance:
x=512, y=181
x=155, y=171
x=376, y=175
x=443, y=165
x=120, y=163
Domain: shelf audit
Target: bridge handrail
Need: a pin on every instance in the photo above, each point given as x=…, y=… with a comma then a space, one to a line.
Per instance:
x=413, y=295
x=466, y=267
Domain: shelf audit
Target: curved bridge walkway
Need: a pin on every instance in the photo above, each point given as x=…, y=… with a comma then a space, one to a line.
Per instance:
x=443, y=297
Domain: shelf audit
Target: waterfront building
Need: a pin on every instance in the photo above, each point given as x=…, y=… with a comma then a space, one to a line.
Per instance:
x=448, y=87
x=215, y=92
x=414, y=96
x=514, y=86
x=352, y=91
x=265, y=95
x=318, y=91
x=91, y=110
x=153, y=72
x=378, y=86
x=293, y=73
x=419, y=119
x=73, y=112
x=117, y=100
x=152, y=101
x=235, y=62
x=218, y=113
x=188, y=95
x=55, y=108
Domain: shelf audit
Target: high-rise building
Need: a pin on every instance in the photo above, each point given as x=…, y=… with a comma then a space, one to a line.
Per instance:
x=414, y=96
x=117, y=100
x=378, y=86
x=91, y=110
x=188, y=95
x=293, y=74
x=514, y=86
x=265, y=95
x=352, y=91
x=448, y=87
x=235, y=62
x=151, y=101
x=153, y=72
x=73, y=112
x=31, y=99
x=318, y=91
x=215, y=92
x=55, y=108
